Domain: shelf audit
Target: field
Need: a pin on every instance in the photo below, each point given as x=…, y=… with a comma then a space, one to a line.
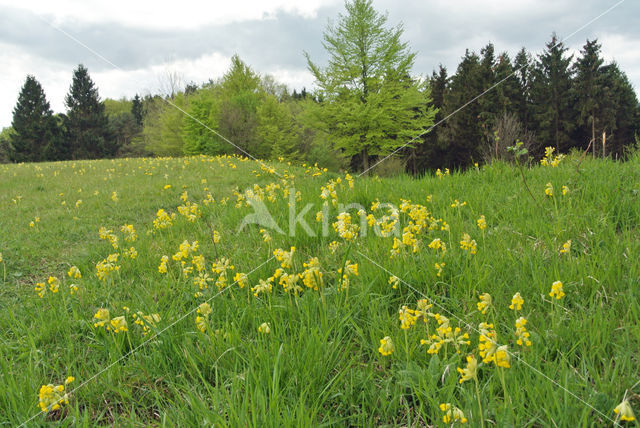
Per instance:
x=409, y=318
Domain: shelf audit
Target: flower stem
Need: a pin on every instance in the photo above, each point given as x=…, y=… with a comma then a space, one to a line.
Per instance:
x=479, y=403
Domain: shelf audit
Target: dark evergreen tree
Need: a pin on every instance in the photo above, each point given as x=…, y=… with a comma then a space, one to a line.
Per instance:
x=34, y=127
x=592, y=98
x=552, y=96
x=137, y=109
x=430, y=153
x=620, y=110
x=86, y=123
x=521, y=104
x=464, y=133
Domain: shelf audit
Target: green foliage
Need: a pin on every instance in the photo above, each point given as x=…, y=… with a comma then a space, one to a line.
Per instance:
x=277, y=129
x=163, y=125
x=370, y=104
x=116, y=107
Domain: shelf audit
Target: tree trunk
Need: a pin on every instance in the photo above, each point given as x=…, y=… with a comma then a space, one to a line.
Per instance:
x=365, y=161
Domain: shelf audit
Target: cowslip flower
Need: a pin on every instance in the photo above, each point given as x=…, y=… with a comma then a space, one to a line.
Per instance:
x=74, y=273
x=502, y=358
x=241, y=279
x=485, y=303
x=624, y=411
x=54, y=283
x=103, y=317
x=468, y=244
x=516, y=302
x=119, y=324
x=556, y=290
x=394, y=281
x=40, y=288
x=386, y=346
x=482, y=223
x=566, y=247
x=470, y=371
x=548, y=190
x=565, y=190
x=163, y=264
x=52, y=397
x=521, y=332
x=264, y=328
x=439, y=267
x=452, y=414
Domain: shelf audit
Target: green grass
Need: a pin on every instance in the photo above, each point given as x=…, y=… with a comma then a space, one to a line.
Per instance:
x=320, y=365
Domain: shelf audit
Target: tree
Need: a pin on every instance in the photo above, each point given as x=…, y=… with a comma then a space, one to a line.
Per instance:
x=551, y=96
x=522, y=101
x=34, y=127
x=86, y=122
x=137, y=110
x=463, y=134
x=370, y=104
x=590, y=93
x=277, y=129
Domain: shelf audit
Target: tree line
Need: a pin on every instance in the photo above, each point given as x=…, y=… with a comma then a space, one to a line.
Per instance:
x=367, y=105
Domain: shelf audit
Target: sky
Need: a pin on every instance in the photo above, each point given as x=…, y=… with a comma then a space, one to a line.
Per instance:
x=133, y=46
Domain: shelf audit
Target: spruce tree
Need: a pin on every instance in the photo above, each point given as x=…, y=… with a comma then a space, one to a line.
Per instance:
x=464, y=132
x=87, y=125
x=590, y=94
x=34, y=127
x=136, y=109
x=522, y=100
x=552, y=96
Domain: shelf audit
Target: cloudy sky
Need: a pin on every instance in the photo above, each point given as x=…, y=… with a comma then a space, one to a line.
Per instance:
x=131, y=46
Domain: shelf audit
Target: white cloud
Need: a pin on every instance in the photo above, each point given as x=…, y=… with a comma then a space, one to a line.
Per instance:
x=159, y=14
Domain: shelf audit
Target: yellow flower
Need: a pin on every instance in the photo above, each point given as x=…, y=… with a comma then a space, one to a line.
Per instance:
x=485, y=303
x=51, y=397
x=482, y=223
x=54, y=283
x=522, y=333
x=624, y=411
x=241, y=279
x=216, y=237
x=264, y=328
x=556, y=290
x=468, y=244
x=114, y=196
x=457, y=204
x=516, y=302
x=566, y=247
x=407, y=317
x=163, y=264
x=69, y=380
x=452, y=414
x=565, y=190
x=502, y=357
x=394, y=281
x=333, y=246
x=74, y=273
x=40, y=288
x=386, y=346
x=548, y=190
x=73, y=289
x=0, y=257
x=204, y=309
x=103, y=317
x=167, y=186
x=470, y=371
x=119, y=324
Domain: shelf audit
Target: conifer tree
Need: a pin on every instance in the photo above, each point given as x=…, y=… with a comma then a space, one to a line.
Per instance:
x=87, y=125
x=34, y=127
x=552, y=96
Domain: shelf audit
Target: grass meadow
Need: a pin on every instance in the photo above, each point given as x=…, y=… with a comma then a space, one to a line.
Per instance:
x=401, y=319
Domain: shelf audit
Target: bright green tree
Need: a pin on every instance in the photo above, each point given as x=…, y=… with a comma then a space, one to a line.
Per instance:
x=370, y=104
x=277, y=129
